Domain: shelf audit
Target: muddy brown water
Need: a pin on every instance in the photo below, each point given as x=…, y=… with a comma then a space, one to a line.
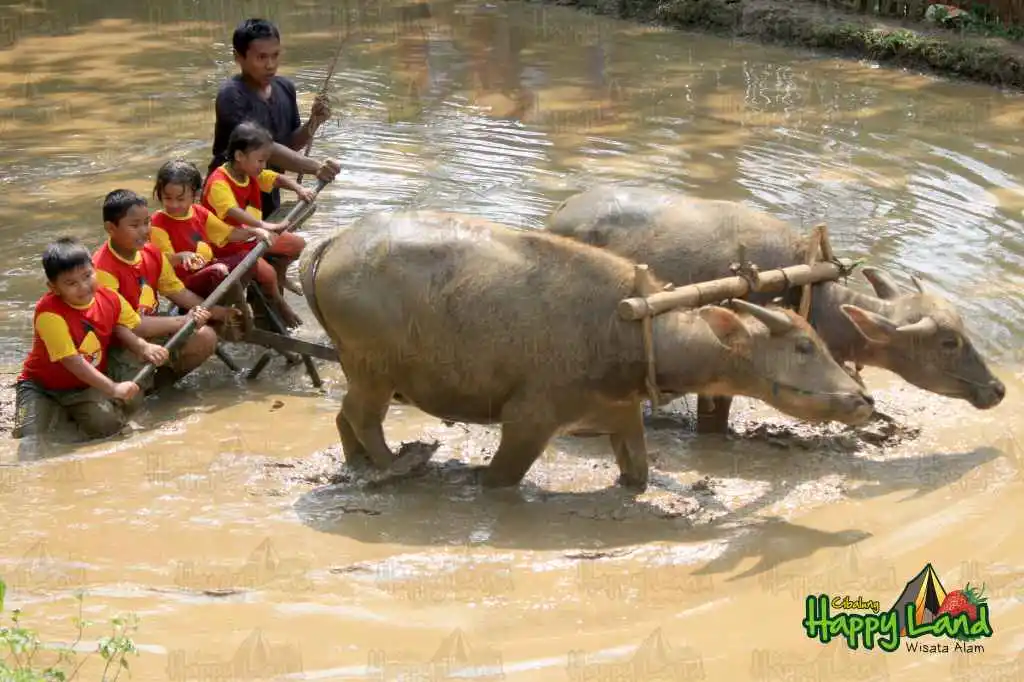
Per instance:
x=226, y=521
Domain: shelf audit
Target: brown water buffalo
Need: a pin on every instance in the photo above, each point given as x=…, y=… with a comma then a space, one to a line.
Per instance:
x=917, y=335
x=476, y=322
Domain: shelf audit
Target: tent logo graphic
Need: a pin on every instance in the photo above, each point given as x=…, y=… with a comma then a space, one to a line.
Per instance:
x=924, y=607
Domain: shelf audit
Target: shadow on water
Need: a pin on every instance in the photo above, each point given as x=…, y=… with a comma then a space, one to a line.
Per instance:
x=445, y=506
x=422, y=513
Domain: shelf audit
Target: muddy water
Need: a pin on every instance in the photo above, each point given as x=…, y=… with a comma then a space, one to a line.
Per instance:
x=225, y=520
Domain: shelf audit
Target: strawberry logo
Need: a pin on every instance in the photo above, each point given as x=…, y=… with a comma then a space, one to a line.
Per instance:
x=964, y=601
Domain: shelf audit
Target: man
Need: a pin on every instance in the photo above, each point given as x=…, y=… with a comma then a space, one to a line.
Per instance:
x=258, y=94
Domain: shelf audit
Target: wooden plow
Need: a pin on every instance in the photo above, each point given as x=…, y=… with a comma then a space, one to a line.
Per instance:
x=263, y=327
x=651, y=300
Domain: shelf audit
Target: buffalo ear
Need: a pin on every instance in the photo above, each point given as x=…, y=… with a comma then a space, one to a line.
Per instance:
x=872, y=326
x=727, y=326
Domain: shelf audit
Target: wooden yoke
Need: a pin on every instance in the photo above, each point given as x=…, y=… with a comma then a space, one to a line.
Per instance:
x=644, y=286
x=818, y=244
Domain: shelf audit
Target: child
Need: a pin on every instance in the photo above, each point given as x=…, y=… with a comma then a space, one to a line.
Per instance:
x=186, y=232
x=74, y=325
x=233, y=194
x=136, y=269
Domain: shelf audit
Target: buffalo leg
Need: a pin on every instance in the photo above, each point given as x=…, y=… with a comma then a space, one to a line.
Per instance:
x=351, y=447
x=523, y=439
x=521, y=445
x=363, y=409
x=630, y=448
x=713, y=413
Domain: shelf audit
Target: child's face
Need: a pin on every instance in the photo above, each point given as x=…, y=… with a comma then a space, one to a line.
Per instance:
x=131, y=232
x=253, y=163
x=260, y=61
x=76, y=286
x=176, y=199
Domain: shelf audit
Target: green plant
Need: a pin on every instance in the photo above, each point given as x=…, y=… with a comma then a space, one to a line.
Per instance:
x=19, y=647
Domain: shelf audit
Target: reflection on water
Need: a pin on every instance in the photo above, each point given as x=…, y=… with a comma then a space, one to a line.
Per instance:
x=504, y=110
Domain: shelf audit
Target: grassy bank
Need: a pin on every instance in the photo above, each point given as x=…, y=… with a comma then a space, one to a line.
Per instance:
x=917, y=45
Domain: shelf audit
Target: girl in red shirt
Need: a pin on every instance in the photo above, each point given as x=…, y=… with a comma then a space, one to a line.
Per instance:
x=232, y=193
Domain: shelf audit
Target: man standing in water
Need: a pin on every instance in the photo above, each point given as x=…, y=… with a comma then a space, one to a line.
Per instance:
x=258, y=94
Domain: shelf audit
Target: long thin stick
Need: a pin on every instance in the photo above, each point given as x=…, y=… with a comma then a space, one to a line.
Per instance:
x=323, y=91
x=298, y=213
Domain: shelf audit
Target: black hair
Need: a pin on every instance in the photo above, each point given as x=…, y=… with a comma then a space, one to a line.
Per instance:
x=246, y=137
x=253, y=29
x=177, y=172
x=117, y=204
x=64, y=255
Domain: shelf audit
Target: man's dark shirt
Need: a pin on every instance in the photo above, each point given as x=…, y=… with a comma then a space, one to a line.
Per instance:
x=279, y=114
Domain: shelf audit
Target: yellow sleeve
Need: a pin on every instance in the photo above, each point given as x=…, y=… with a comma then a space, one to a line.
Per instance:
x=158, y=237
x=217, y=230
x=266, y=180
x=53, y=330
x=221, y=198
x=106, y=279
x=127, y=317
x=168, y=282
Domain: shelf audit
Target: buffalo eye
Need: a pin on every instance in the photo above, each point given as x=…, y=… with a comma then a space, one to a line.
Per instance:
x=804, y=347
x=951, y=343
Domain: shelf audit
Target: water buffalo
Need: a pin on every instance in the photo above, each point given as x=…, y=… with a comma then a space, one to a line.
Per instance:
x=472, y=321
x=917, y=335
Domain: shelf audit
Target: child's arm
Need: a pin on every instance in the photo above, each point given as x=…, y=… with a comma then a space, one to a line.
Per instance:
x=304, y=193
x=91, y=376
x=220, y=233
x=150, y=352
x=173, y=288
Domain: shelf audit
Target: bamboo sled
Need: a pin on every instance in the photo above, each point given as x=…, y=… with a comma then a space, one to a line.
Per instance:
x=264, y=327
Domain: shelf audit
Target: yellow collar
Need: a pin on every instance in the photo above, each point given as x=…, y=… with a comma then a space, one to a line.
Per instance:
x=231, y=178
x=134, y=261
x=187, y=216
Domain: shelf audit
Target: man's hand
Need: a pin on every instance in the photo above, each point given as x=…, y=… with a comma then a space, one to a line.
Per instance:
x=125, y=390
x=306, y=194
x=200, y=314
x=328, y=170
x=154, y=354
x=320, y=113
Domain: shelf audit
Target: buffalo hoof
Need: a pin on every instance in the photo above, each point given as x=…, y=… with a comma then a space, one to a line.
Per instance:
x=495, y=478
x=632, y=483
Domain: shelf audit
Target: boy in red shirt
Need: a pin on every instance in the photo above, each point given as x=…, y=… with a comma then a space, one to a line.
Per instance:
x=129, y=264
x=75, y=323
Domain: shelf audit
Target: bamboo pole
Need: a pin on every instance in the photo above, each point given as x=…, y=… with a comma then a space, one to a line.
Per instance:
x=694, y=295
x=323, y=91
x=300, y=212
